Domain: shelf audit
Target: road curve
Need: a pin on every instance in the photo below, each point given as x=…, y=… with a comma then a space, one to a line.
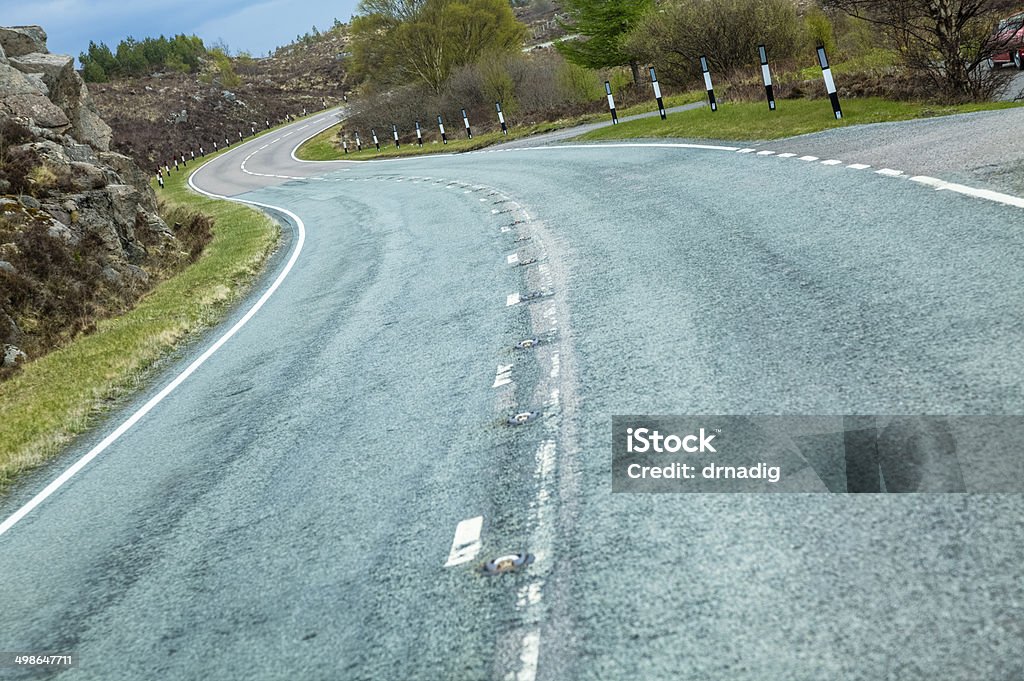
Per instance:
x=291, y=509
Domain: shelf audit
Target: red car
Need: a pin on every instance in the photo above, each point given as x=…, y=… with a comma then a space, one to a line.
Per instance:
x=1010, y=41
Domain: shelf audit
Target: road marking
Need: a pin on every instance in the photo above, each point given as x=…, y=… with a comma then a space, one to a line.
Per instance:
x=180, y=378
x=787, y=155
x=512, y=299
x=858, y=166
x=503, y=376
x=745, y=151
x=765, y=153
x=942, y=185
x=832, y=162
x=466, y=544
x=529, y=656
x=889, y=172
x=513, y=259
x=808, y=158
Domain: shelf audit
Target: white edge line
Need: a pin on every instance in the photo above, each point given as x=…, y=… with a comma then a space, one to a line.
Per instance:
x=180, y=378
x=988, y=194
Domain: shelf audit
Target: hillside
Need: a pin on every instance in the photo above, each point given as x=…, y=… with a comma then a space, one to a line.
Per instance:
x=153, y=117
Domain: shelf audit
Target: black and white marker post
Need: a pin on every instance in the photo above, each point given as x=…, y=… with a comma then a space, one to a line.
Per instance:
x=394, y=131
x=359, y=145
x=191, y=155
x=176, y=168
x=501, y=119
x=657, y=94
x=160, y=180
x=202, y=152
x=766, y=75
x=376, y=143
x=465, y=119
x=419, y=134
x=183, y=161
x=830, y=85
x=440, y=124
x=240, y=138
x=268, y=125
x=215, y=146
x=611, y=102
x=344, y=144
x=707, y=83
x=253, y=129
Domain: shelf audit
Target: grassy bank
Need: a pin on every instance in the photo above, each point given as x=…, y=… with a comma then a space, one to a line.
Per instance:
x=61, y=394
x=753, y=121
x=325, y=146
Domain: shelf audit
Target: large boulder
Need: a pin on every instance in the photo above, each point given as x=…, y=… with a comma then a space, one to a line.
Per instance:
x=3, y=55
x=19, y=40
x=20, y=97
x=131, y=174
x=52, y=66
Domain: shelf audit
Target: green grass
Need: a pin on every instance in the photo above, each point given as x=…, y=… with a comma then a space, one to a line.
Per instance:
x=61, y=394
x=753, y=121
x=325, y=147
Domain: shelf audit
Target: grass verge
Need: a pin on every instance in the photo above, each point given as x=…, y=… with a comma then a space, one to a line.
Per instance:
x=753, y=120
x=61, y=394
x=324, y=147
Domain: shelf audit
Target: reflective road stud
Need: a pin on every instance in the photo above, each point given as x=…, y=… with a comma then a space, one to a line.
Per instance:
x=766, y=75
x=611, y=102
x=707, y=83
x=501, y=119
x=419, y=134
x=830, y=85
x=657, y=94
x=440, y=124
x=465, y=119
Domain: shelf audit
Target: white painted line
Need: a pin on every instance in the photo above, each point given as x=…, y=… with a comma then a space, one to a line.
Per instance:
x=858, y=166
x=889, y=172
x=512, y=299
x=745, y=151
x=529, y=656
x=808, y=158
x=483, y=200
x=494, y=211
x=988, y=195
x=503, y=375
x=787, y=155
x=513, y=259
x=832, y=162
x=466, y=544
x=180, y=378
x=765, y=153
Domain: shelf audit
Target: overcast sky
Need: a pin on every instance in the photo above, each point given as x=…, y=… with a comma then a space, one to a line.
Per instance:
x=255, y=26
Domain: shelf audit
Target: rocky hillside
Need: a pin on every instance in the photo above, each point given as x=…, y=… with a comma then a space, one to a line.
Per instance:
x=156, y=116
x=80, y=234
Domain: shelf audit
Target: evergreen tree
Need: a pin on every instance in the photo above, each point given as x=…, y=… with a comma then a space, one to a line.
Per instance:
x=604, y=25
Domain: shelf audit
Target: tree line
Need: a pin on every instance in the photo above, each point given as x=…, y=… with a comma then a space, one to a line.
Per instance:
x=183, y=53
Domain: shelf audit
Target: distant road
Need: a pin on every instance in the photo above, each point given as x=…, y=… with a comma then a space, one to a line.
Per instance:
x=315, y=501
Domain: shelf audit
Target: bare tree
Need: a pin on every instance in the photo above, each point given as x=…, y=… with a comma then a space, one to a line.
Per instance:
x=947, y=42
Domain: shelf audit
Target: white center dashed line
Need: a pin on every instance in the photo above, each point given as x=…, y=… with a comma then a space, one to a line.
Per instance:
x=858, y=166
x=466, y=544
x=890, y=172
x=808, y=158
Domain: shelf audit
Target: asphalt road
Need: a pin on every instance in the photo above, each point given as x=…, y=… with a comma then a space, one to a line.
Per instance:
x=288, y=511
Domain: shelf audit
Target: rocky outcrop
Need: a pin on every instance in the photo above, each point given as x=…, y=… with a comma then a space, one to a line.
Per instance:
x=64, y=196
x=45, y=90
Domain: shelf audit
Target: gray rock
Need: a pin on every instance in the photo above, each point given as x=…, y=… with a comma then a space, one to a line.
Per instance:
x=3, y=55
x=57, y=230
x=7, y=267
x=228, y=95
x=29, y=202
x=21, y=40
x=85, y=176
x=129, y=173
x=13, y=355
x=8, y=329
x=83, y=153
x=20, y=97
x=52, y=67
x=111, y=275
x=39, y=82
x=178, y=117
x=5, y=186
x=137, y=273
x=50, y=153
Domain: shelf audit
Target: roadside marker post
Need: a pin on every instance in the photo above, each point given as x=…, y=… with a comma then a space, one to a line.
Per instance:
x=766, y=75
x=657, y=94
x=707, y=83
x=419, y=134
x=183, y=161
x=176, y=168
x=394, y=130
x=253, y=129
x=611, y=102
x=359, y=145
x=465, y=119
x=192, y=155
x=501, y=119
x=240, y=138
x=215, y=146
x=376, y=143
x=830, y=84
x=344, y=144
x=440, y=124
x=160, y=180
x=202, y=152
x=303, y=111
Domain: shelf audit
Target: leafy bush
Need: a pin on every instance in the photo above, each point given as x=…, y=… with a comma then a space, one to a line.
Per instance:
x=726, y=31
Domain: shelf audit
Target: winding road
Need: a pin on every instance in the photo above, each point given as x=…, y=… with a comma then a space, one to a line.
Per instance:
x=314, y=500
